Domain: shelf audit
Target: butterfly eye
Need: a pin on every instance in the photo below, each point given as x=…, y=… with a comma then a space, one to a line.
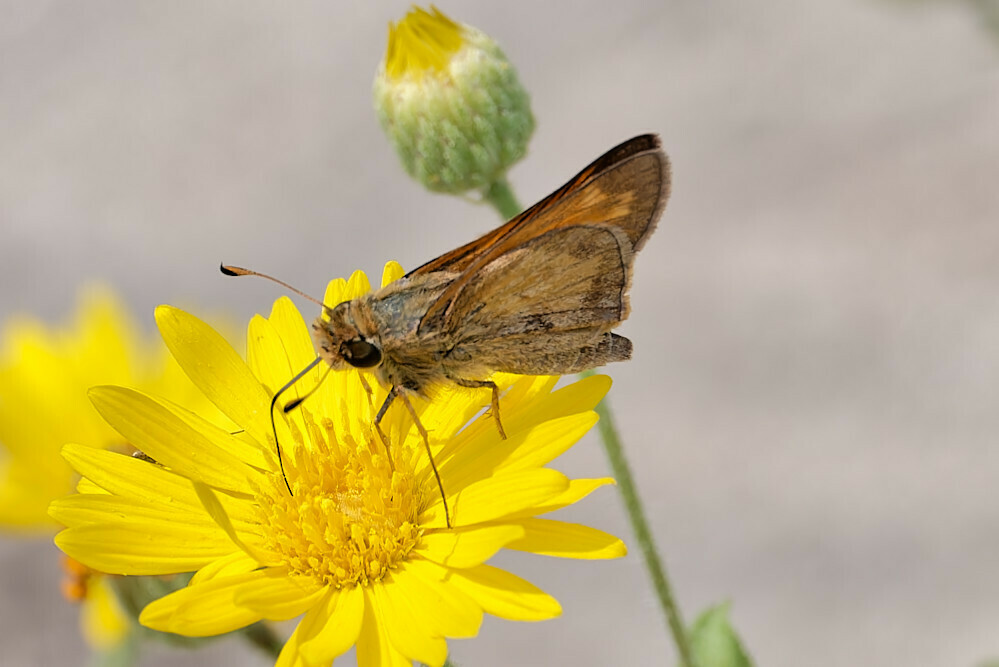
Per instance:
x=361, y=354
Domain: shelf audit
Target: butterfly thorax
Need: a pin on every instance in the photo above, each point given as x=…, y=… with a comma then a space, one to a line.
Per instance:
x=389, y=321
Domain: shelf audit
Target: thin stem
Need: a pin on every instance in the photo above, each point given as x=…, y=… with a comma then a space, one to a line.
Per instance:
x=501, y=196
x=263, y=637
x=640, y=525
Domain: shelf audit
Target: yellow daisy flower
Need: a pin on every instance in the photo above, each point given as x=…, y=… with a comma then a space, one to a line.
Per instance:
x=362, y=549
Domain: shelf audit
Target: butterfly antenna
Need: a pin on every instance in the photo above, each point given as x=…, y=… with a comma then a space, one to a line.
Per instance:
x=292, y=404
x=286, y=387
x=239, y=271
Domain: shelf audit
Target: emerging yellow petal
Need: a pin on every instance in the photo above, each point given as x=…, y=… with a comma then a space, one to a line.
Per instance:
x=421, y=41
x=360, y=546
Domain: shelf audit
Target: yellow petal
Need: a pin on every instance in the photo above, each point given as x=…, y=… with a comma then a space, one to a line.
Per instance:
x=156, y=431
x=332, y=626
x=468, y=547
x=404, y=628
x=293, y=332
x=235, y=563
x=531, y=448
x=392, y=272
x=270, y=362
x=144, y=546
x=335, y=292
x=245, y=539
x=357, y=285
x=130, y=477
x=527, y=388
x=216, y=370
x=243, y=449
x=202, y=610
x=278, y=597
x=88, y=487
x=580, y=396
x=448, y=413
x=289, y=656
x=443, y=608
x=373, y=646
x=267, y=358
x=80, y=510
x=502, y=594
x=504, y=494
x=528, y=403
x=567, y=540
x=578, y=489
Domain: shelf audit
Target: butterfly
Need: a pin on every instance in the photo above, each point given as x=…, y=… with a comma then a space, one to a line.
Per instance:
x=539, y=295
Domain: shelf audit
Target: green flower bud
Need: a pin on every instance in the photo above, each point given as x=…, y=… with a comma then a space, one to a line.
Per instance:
x=451, y=103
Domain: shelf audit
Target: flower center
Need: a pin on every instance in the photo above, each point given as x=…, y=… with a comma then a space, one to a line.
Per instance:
x=353, y=516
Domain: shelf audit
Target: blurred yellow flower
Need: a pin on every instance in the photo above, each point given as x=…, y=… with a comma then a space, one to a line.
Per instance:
x=102, y=619
x=362, y=548
x=45, y=373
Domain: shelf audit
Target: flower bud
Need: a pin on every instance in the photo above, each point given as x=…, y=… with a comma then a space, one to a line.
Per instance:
x=451, y=103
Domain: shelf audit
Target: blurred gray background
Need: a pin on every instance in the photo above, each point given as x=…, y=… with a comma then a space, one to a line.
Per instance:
x=812, y=410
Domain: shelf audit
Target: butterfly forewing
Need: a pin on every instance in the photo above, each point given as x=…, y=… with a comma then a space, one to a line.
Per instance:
x=588, y=279
x=624, y=190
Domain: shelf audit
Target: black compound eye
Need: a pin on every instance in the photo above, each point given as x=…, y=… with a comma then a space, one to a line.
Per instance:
x=361, y=354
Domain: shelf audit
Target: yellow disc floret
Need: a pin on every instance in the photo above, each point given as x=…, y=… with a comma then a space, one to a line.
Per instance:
x=353, y=517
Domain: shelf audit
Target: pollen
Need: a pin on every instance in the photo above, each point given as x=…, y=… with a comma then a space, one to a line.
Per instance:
x=353, y=516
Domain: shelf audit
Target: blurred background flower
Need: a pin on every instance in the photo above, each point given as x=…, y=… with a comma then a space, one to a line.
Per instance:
x=45, y=373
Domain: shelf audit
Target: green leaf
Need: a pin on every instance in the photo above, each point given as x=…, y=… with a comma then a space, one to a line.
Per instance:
x=714, y=643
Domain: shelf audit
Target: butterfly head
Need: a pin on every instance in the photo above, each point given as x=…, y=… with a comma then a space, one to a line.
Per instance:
x=340, y=342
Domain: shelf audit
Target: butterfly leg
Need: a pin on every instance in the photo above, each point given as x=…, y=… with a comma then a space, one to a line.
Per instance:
x=494, y=405
x=378, y=429
x=399, y=391
x=367, y=389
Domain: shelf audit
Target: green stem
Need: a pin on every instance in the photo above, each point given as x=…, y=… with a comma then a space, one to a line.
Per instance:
x=640, y=525
x=263, y=637
x=501, y=196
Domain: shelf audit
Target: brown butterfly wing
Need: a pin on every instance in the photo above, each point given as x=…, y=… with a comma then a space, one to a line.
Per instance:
x=565, y=279
x=625, y=189
x=546, y=307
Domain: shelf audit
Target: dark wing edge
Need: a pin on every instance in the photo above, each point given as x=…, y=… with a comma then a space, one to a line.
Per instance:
x=460, y=258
